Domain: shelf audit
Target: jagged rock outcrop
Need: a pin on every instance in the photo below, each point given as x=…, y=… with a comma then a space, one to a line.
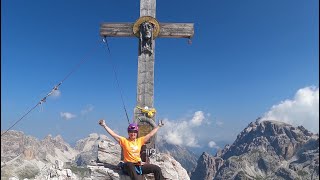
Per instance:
x=56, y=172
x=100, y=172
x=88, y=148
x=95, y=157
x=109, y=154
x=171, y=169
x=283, y=139
x=207, y=167
x=185, y=157
x=14, y=143
x=25, y=156
x=55, y=148
x=266, y=150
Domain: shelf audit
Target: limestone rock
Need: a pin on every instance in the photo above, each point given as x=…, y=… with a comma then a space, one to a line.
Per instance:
x=265, y=150
x=25, y=157
x=109, y=152
x=108, y=170
x=56, y=172
x=88, y=148
x=186, y=158
x=207, y=167
x=100, y=172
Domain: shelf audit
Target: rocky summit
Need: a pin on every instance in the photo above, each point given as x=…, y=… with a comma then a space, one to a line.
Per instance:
x=264, y=150
x=93, y=158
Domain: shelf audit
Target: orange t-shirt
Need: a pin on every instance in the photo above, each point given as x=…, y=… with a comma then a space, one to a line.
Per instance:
x=131, y=149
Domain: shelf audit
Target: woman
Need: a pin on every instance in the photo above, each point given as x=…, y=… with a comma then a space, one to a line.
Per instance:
x=131, y=147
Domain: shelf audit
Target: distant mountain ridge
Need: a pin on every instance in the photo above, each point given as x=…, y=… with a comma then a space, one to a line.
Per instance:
x=264, y=150
x=25, y=156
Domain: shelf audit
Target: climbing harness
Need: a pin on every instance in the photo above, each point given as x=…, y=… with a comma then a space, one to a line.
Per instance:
x=137, y=167
x=149, y=112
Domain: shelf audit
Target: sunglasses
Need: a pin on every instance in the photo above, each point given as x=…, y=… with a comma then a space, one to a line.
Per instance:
x=132, y=131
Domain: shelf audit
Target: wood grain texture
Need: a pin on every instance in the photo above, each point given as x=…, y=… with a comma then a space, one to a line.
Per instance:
x=167, y=30
x=176, y=30
x=116, y=30
x=148, y=8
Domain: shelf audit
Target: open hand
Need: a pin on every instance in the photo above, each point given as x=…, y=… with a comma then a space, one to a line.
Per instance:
x=161, y=123
x=102, y=123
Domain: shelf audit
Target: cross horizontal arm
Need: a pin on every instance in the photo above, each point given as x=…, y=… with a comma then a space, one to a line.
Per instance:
x=116, y=30
x=167, y=30
x=176, y=30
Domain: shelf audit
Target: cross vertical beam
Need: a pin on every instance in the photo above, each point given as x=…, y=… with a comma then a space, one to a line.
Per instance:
x=148, y=8
x=145, y=81
x=146, y=28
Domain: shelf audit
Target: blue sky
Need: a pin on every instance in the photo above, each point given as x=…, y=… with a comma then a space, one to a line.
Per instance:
x=247, y=59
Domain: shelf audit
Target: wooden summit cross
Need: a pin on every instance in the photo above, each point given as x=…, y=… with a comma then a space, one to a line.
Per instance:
x=146, y=28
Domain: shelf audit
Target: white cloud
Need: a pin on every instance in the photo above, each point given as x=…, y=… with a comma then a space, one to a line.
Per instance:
x=67, y=115
x=87, y=109
x=197, y=119
x=303, y=110
x=182, y=132
x=219, y=123
x=174, y=138
x=212, y=144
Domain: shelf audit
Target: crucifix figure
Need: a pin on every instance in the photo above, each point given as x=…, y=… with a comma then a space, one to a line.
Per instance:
x=146, y=29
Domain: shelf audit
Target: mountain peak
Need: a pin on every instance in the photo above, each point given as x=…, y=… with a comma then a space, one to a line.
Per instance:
x=269, y=134
x=272, y=149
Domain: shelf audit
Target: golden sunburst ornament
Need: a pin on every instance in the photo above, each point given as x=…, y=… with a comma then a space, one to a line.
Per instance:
x=152, y=20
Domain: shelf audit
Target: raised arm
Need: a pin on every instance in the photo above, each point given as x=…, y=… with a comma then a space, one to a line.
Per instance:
x=153, y=132
x=113, y=134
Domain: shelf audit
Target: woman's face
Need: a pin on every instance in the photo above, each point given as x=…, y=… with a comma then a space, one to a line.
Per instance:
x=133, y=134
